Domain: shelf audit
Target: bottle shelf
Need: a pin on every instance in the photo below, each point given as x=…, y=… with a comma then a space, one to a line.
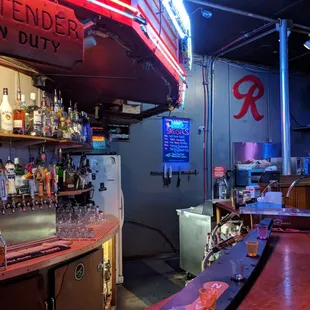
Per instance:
x=62, y=193
x=25, y=140
x=76, y=192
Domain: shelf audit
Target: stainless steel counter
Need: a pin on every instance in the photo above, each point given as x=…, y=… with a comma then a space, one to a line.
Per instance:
x=195, y=224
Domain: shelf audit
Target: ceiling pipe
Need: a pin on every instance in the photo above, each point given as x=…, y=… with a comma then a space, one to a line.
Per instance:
x=244, y=13
x=243, y=37
x=264, y=34
x=285, y=98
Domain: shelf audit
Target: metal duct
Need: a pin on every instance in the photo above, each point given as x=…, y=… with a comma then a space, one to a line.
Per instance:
x=284, y=98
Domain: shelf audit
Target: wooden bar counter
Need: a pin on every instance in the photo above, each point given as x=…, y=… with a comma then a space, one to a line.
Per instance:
x=283, y=282
x=65, y=280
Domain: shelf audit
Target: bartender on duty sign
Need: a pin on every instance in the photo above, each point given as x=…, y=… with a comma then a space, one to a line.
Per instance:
x=41, y=31
x=176, y=133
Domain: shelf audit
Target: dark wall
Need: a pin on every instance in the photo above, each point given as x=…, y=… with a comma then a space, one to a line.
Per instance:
x=227, y=129
x=146, y=201
x=300, y=110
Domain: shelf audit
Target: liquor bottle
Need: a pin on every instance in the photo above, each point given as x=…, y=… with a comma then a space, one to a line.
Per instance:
x=19, y=115
x=70, y=111
x=10, y=176
x=56, y=106
x=43, y=163
x=6, y=113
x=69, y=176
x=46, y=118
x=70, y=129
x=3, y=185
x=35, y=117
x=86, y=136
x=62, y=129
x=19, y=173
x=60, y=170
x=3, y=252
x=54, y=158
x=54, y=122
x=60, y=105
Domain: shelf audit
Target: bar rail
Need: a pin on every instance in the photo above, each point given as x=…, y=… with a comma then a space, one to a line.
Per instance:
x=219, y=275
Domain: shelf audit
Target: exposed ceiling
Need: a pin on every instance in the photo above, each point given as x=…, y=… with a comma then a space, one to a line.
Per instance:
x=210, y=35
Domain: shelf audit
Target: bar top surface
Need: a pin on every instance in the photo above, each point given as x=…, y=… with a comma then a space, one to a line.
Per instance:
x=103, y=232
x=218, y=275
x=284, y=281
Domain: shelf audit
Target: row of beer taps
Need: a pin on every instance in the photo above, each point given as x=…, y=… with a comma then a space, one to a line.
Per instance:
x=16, y=203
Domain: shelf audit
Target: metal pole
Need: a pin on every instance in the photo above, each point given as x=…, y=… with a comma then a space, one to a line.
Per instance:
x=244, y=13
x=284, y=99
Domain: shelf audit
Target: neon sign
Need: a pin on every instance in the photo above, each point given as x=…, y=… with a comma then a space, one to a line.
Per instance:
x=176, y=133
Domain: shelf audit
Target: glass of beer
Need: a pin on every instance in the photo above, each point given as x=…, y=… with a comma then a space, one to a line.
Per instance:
x=252, y=247
x=208, y=298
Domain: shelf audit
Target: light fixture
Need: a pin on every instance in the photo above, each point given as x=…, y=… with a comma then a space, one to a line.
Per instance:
x=307, y=44
x=157, y=41
x=134, y=17
x=89, y=42
x=112, y=9
x=125, y=5
x=173, y=17
x=178, y=16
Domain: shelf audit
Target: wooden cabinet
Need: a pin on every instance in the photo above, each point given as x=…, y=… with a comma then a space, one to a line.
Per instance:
x=75, y=285
x=79, y=284
x=31, y=293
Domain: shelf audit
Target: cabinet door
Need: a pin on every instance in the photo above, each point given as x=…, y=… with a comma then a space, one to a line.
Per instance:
x=79, y=284
x=24, y=294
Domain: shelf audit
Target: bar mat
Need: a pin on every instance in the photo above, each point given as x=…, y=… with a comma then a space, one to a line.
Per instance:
x=43, y=252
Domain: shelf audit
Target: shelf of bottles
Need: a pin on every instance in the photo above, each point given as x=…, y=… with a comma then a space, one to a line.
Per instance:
x=42, y=121
x=38, y=184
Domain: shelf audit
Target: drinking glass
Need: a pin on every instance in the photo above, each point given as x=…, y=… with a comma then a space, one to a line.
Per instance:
x=237, y=270
x=262, y=232
x=252, y=247
x=208, y=298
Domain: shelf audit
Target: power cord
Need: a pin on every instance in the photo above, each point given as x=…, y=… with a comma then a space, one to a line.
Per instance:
x=157, y=230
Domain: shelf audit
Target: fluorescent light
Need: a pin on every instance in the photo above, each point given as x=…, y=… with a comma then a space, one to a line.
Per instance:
x=125, y=5
x=179, y=6
x=307, y=44
x=182, y=94
x=173, y=18
x=111, y=8
x=162, y=48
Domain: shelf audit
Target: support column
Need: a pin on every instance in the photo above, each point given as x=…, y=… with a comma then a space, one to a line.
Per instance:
x=285, y=99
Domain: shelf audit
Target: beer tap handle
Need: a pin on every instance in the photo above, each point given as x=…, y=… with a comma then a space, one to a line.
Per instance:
x=23, y=203
x=13, y=204
x=55, y=185
x=41, y=194
x=31, y=186
x=48, y=188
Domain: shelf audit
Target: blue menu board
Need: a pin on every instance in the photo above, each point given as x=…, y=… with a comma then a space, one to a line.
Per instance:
x=176, y=132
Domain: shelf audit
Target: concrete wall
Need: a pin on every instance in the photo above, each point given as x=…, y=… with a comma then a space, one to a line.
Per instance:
x=227, y=129
x=146, y=200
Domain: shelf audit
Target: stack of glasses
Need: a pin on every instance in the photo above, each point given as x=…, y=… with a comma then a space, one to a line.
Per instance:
x=74, y=222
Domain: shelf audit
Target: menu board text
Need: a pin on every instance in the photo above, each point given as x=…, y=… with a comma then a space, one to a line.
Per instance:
x=176, y=133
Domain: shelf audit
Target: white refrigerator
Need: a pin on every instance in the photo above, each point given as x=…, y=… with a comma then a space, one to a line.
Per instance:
x=108, y=195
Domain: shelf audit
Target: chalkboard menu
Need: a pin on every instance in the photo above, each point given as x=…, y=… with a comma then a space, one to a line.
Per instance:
x=176, y=132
